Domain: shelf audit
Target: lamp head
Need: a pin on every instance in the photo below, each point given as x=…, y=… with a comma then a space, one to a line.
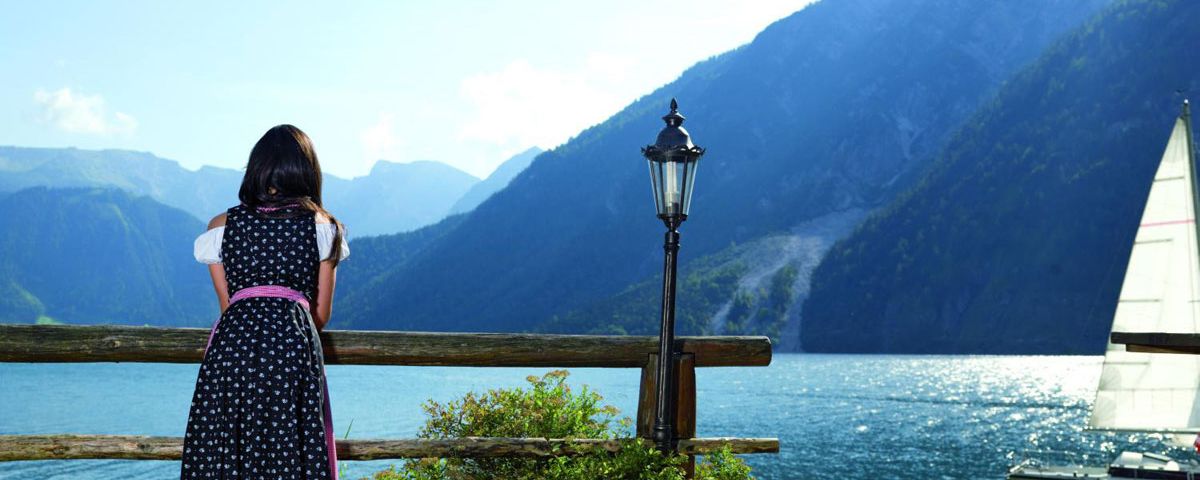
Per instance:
x=672, y=160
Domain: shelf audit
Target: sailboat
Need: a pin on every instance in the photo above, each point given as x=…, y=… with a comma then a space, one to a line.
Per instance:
x=1149, y=390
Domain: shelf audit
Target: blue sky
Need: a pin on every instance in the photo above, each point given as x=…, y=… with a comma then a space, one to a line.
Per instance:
x=462, y=82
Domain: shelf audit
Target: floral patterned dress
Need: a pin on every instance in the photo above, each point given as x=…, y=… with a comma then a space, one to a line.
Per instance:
x=260, y=408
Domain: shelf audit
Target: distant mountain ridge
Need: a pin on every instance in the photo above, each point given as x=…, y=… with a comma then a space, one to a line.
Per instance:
x=394, y=197
x=817, y=118
x=496, y=181
x=1016, y=239
x=201, y=193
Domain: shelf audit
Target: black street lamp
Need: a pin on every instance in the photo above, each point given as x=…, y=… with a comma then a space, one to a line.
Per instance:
x=673, y=160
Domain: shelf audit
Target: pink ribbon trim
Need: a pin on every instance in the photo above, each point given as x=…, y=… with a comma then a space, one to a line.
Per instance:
x=330, y=439
x=280, y=207
x=275, y=291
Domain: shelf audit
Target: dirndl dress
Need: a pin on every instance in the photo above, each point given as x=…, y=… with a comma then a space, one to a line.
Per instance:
x=260, y=409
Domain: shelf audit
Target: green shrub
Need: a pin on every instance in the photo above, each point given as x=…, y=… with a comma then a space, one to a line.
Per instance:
x=550, y=409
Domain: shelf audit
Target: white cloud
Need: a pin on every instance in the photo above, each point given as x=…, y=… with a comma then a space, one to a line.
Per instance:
x=522, y=105
x=611, y=68
x=78, y=113
x=379, y=140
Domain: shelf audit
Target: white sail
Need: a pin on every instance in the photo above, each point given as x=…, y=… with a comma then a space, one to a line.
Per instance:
x=1161, y=293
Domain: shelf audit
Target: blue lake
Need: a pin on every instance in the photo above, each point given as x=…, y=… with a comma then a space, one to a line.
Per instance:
x=837, y=416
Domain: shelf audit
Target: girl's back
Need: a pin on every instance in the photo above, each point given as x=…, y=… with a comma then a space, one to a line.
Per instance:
x=261, y=406
x=277, y=247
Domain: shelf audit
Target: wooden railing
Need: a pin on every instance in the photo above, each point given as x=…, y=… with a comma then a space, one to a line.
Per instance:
x=1158, y=342
x=62, y=343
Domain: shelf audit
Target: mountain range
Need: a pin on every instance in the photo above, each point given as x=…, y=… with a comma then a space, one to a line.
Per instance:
x=103, y=237
x=827, y=114
x=882, y=176
x=393, y=197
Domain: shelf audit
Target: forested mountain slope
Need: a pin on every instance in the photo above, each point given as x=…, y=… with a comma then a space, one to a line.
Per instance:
x=1017, y=238
x=100, y=256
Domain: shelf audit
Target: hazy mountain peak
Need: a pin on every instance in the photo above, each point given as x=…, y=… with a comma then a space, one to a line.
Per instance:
x=496, y=181
x=416, y=167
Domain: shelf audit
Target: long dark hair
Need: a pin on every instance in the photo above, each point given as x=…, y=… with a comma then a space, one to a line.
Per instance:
x=283, y=170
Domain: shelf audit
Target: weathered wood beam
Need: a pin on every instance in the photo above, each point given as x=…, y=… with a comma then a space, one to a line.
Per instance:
x=138, y=447
x=684, y=423
x=109, y=343
x=1158, y=342
x=701, y=446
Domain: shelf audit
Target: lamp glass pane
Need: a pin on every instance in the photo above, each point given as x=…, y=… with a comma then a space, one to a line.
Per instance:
x=689, y=181
x=656, y=184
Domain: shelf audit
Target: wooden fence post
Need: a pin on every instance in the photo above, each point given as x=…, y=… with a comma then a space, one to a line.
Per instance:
x=685, y=409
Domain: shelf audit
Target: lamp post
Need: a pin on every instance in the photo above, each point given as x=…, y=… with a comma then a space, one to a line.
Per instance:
x=672, y=160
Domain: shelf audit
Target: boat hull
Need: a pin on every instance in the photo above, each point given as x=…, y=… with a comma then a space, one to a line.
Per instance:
x=1128, y=465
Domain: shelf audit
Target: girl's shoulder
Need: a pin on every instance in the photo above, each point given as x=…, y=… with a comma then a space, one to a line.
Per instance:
x=207, y=246
x=327, y=230
x=222, y=219
x=322, y=217
x=218, y=221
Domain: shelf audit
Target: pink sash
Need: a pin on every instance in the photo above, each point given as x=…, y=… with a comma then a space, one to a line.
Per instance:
x=278, y=291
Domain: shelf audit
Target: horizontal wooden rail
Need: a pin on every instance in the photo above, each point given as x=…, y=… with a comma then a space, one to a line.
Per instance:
x=138, y=447
x=1158, y=342
x=112, y=343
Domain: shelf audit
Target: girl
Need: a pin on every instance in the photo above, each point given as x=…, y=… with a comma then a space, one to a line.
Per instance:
x=261, y=408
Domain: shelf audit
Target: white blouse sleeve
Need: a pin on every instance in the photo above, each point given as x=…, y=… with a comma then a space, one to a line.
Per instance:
x=325, y=233
x=207, y=248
